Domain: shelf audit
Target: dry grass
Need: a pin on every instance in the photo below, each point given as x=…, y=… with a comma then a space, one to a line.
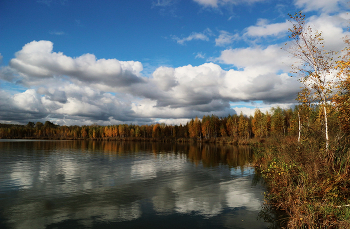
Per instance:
x=309, y=182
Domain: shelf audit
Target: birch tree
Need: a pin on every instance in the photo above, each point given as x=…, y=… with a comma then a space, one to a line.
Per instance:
x=317, y=65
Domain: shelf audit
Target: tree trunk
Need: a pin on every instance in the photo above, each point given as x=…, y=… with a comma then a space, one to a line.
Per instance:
x=326, y=124
x=299, y=128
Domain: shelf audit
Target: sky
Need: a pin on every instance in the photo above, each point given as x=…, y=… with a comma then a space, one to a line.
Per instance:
x=147, y=61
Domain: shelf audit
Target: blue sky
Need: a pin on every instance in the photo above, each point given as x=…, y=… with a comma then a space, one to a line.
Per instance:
x=142, y=61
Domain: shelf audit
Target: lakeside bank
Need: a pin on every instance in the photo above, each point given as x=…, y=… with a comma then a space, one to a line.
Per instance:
x=307, y=180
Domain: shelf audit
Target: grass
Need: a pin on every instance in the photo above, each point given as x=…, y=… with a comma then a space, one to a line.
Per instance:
x=308, y=181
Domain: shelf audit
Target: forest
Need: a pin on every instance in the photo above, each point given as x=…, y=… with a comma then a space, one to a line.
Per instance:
x=232, y=129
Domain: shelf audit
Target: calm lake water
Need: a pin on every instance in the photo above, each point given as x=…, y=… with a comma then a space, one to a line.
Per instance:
x=91, y=184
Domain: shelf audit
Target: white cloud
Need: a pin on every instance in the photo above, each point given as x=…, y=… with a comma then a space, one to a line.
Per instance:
x=56, y=32
x=37, y=61
x=217, y=3
x=323, y=5
x=29, y=101
x=172, y=121
x=72, y=103
x=262, y=107
x=262, y=29
x=207, y=88
x=164, y=78
x=211, y=3
x=200, y=55
x=225, y=38
x=162, y=3
x=194, y=36
x=84, y=90
x=332, y=28
x=264, y=60
x=53, y=94
x=79, y=108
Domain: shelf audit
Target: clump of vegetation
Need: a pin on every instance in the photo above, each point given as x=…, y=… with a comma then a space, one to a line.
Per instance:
x=309, y=181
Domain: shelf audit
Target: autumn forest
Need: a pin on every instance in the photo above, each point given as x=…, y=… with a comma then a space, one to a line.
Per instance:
x=276, y=122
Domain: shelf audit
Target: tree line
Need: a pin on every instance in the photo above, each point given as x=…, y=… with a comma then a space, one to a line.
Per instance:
x=276, y=122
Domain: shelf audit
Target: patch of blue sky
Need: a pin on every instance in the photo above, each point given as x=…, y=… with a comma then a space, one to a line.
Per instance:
x=11, y=88
x=251, y=104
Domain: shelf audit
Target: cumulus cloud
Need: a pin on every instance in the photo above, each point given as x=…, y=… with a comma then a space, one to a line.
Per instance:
x=21, y=107
x=261, y=59
x=29, y=101
x=149, y=109
x=208, y=88
x=37, y=61
x=164, y=78
x=54, y=94
x=69, y=104
x=84, y=90
x=8, y=74
x=332, y=29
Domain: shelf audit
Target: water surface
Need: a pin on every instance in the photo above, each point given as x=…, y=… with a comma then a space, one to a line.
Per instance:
x=91, y=184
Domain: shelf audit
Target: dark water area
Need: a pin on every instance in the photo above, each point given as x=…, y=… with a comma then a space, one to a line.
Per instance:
x=94, y=184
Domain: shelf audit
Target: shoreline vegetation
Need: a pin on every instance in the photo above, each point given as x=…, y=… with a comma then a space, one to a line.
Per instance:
x=307, y=180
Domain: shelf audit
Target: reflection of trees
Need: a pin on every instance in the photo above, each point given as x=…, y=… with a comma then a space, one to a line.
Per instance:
x=213, y=155
x=210, y=155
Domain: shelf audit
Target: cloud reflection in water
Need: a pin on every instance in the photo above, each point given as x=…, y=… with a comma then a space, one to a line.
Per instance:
x=57, y=187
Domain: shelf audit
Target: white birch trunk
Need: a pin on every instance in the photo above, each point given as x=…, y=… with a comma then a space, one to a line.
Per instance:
x=326, y=124
x=299, y=127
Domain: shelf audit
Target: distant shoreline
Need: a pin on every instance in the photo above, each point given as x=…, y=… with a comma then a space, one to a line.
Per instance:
x=219, y=140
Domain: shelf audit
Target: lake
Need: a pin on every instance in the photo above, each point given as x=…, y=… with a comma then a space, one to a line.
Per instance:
x=110, y=184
